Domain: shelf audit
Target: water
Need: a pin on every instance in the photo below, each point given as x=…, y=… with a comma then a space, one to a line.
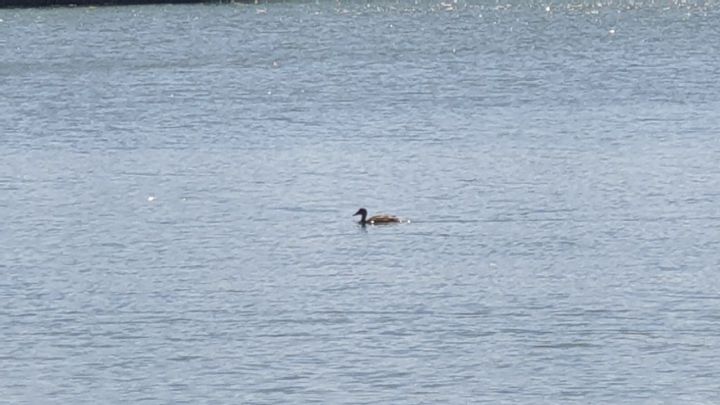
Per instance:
x=177, y=184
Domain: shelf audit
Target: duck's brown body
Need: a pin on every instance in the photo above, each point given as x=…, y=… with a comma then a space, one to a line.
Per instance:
x=375, y=219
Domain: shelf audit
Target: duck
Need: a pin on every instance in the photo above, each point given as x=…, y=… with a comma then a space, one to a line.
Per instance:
x=375, y=219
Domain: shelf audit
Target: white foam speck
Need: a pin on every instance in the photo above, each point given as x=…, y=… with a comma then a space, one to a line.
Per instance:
x=151, y=198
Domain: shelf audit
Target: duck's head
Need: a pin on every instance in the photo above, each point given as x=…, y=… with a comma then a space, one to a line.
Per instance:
x=361, y=211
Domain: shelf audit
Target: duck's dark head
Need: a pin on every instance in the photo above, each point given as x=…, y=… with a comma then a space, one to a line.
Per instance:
x=361, y=211
x=363, y=214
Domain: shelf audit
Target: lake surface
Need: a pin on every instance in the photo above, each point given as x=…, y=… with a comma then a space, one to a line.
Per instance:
x=177, y=185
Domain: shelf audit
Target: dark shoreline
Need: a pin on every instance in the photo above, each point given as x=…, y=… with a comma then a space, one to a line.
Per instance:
x=86, y=3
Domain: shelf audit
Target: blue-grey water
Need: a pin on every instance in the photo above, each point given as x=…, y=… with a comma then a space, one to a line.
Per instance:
x=177, y=185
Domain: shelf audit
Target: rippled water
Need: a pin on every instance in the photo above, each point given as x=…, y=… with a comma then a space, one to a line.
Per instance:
x=177, y=184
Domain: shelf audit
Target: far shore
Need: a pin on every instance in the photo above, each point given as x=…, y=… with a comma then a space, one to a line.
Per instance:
x=86, y=3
